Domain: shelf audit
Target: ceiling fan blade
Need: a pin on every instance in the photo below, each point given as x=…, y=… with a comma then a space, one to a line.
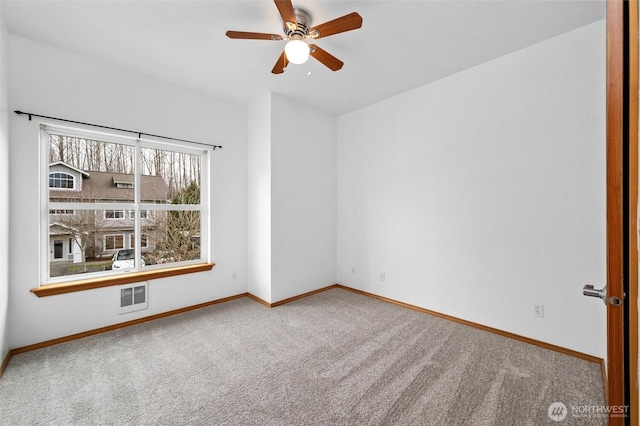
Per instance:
x=286, y=11
x=280, y=65
x=253, y=36
x=348, y=22
x=330, y=61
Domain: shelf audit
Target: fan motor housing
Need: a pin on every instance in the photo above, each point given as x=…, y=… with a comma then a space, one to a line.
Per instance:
x=301, y=31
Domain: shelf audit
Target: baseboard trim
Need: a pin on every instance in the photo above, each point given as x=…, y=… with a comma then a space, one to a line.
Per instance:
x=100, y=330
x=507, y=334
x=259, y=300
x=603, y=366
x=303, y=295
x=120, y=325
x=503, y=333
x=5, y=362
x=290, y=299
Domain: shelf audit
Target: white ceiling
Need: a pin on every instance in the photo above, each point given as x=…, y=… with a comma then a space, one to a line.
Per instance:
x=401, y=45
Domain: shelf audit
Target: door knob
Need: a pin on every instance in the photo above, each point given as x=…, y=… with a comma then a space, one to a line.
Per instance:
x=588, y=290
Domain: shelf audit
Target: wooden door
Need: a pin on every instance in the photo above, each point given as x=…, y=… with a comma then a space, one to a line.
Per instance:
x=622, y=198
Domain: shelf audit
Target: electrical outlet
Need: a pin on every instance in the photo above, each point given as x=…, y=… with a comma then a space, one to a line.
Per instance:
x=353, y=269
x=234, y=276
x=382, y=276
x=538, y=311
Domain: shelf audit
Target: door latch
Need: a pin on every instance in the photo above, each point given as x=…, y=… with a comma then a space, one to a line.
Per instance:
x=588, y=290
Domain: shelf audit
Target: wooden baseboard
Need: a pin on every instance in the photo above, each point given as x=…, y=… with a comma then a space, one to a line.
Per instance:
x=503, y=333
x=5, y=362
x=514, y=336
x=259, y=300
x=603, y=366
x=120, y=325
x=291, y=299
x=88, y=333
x=300, y=296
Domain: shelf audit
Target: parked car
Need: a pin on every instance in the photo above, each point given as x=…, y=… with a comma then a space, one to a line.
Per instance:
x=124, y=259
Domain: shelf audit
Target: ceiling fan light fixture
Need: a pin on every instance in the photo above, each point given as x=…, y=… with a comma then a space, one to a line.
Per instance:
x=297, y=51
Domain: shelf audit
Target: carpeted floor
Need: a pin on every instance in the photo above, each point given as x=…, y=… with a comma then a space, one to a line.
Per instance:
x=332, y=358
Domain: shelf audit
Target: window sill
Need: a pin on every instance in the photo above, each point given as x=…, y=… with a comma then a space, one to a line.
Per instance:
x=133, y=277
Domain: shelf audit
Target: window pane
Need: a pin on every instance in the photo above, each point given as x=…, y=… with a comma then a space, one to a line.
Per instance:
x=61, y=180
x=172, y=236
x=113, y=242
x=77, y=243
x=115, y=214
x=85, y=170
x=176, y=174
x=143, y=241
x=102, y=240
x=132, y=214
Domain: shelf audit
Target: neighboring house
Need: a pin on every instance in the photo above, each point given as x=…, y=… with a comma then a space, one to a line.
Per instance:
x=112, y=229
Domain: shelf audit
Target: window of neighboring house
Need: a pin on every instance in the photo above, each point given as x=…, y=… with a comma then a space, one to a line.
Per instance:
x=61, y=180
x=114, y=214
x=170, y=189
x=132, y=214
x=143, y=241
x=70, y=245
x=114, y=242
x=60, y=211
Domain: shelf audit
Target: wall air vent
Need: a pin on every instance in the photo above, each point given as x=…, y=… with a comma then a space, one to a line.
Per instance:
x=133, y=297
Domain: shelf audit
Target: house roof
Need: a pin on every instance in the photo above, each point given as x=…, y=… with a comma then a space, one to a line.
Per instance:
x=102, y=186
x=69, y=166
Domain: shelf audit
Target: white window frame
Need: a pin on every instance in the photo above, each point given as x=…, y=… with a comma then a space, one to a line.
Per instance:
x=136, y=206
x=55, y=188
x=115, y=211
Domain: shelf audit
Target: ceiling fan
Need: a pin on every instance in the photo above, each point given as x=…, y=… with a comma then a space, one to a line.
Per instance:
x=297, y=29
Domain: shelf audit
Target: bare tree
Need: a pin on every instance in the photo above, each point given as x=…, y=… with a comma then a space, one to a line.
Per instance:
x=84, y=225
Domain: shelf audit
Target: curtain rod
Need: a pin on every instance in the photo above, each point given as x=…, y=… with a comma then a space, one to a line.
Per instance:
x=30, y=114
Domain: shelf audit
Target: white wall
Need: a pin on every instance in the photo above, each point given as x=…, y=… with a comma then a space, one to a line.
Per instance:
x=48, y=81
x=4, y=186
x=303, y=206
x=259, y=216
x=483, y=193
x=292, y=198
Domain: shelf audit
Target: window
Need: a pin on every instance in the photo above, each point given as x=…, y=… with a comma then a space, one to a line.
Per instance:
x=143, y=241
x=166, y=182
x=132, y=214
x=113, y=242
x=114, y=214
x=61, y=180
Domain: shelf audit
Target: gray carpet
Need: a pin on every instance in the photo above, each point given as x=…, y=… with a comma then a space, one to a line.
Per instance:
x=332, y=358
